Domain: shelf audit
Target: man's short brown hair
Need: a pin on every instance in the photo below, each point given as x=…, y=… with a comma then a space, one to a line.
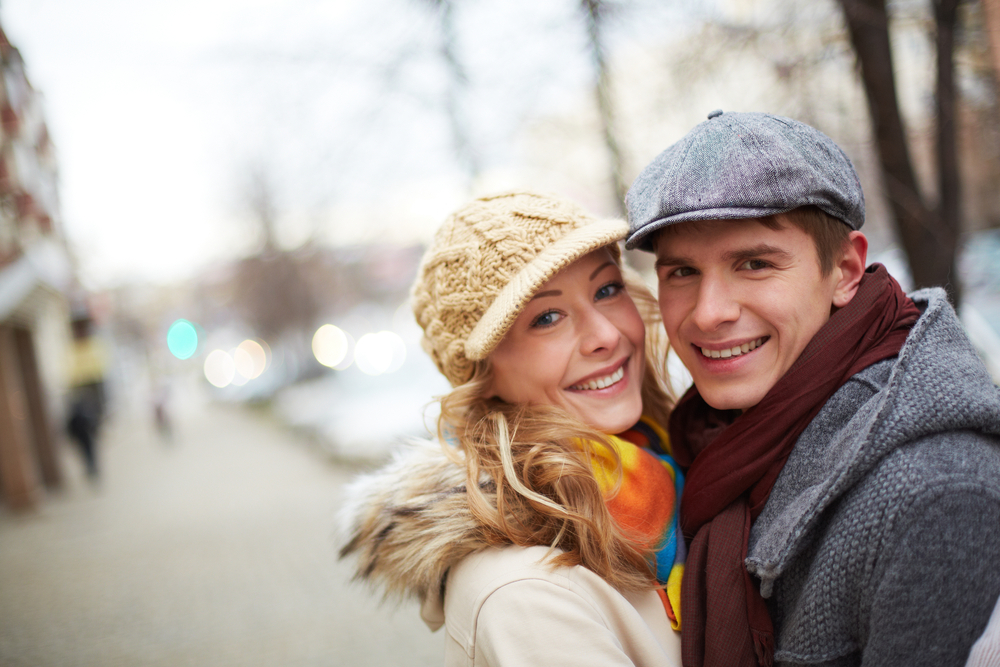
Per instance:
x=828, y=233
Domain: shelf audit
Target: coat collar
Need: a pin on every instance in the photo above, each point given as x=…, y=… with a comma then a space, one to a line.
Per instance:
x=878, y=410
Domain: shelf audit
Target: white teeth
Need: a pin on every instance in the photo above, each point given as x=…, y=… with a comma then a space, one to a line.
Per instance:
x=734, y=351
x=601, y=383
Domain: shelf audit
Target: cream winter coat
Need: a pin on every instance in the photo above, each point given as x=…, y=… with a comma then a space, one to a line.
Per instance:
x=411, y=529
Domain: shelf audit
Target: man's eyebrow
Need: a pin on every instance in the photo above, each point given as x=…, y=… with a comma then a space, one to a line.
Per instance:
x=759, y=250
x=668, y=260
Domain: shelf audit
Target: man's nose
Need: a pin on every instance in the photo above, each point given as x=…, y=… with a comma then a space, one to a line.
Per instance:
x=717, y=304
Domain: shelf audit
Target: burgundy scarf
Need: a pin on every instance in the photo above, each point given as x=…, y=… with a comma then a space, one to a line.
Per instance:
x=726, y=621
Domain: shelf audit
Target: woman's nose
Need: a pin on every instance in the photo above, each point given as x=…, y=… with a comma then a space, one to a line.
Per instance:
x=599, y=333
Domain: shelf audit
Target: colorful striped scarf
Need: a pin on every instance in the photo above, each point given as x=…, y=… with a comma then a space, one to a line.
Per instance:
x=646, y=504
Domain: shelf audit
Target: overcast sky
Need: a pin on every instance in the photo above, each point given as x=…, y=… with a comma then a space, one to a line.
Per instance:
x=159, y=109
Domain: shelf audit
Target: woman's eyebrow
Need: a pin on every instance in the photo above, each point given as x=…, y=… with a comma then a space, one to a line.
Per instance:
x=601, y=268
x=555, y=292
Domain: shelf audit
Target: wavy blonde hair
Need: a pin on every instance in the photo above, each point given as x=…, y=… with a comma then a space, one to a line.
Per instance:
x=529, y=480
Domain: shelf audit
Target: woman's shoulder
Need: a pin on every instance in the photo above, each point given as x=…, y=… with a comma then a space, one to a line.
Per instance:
x=409, y=523
x=513, y=605
x=481, y=573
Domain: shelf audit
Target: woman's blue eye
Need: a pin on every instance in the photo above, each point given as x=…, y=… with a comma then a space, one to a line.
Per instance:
x=608, y=290
x=546, y=319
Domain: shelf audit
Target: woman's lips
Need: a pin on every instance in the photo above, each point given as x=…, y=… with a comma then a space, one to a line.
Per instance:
x=601, y=382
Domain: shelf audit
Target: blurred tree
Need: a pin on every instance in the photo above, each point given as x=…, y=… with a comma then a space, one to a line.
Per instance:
x=259, y=194
x=270, y=287
x=929, y=234
x=596, y=11
x=991, y=11
x=457, y=84
x=949, y=181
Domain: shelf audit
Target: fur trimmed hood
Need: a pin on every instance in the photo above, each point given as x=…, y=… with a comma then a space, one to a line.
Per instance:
x=409, y=523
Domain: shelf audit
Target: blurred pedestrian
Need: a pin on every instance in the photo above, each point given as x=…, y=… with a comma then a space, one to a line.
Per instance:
x=161, y=409
x=86, y=385
x=541, y=529
x=84, y=419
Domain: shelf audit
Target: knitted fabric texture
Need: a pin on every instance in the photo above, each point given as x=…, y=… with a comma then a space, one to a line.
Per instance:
x=877, y=545
x=486, y=262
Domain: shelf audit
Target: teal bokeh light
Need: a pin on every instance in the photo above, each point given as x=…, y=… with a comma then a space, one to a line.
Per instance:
x=182, y=339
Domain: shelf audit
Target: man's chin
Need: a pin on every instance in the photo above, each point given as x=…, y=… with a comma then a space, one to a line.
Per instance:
x=731, y=398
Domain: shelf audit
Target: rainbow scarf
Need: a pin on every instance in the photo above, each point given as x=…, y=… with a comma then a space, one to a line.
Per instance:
x=647, y=503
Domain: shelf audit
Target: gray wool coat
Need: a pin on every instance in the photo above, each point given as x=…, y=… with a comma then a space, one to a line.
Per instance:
x=880, y=542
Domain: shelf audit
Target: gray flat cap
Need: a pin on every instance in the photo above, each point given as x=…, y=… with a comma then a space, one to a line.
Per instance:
x=743, y=165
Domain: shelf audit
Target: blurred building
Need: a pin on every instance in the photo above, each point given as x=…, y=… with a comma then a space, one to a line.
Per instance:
x=35, y=274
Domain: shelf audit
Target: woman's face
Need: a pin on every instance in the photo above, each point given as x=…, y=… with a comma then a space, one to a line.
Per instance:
x=577, y=345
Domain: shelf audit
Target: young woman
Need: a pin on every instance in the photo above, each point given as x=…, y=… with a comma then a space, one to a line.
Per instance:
x=541, y=529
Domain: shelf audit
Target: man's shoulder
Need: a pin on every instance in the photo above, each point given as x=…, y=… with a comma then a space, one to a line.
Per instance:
x=958, y=461
x=917, y=526
x=927, y=417
x=884, y=451
x=937, y=383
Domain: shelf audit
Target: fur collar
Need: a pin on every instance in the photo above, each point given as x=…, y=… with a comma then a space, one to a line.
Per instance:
x=409, y=523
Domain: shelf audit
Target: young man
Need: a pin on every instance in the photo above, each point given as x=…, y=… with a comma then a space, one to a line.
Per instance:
x=842, y=440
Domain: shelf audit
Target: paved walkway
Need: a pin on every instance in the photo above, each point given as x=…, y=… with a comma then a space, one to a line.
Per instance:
x=214, y=549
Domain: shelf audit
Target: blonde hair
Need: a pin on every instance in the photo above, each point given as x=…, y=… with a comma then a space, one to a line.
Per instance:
x=529, y=477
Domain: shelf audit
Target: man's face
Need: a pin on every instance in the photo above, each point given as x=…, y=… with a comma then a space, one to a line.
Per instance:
x=740, y=302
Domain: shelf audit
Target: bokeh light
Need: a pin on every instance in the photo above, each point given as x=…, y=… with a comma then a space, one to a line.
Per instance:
x=398, y=351
x=258, y=357
x=220, y=369
x=330, y=346
x=182, y=339
x=375, y=353
x=243, y=363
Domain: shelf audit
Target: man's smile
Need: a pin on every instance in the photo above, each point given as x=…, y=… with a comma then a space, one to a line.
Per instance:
x=734, y=351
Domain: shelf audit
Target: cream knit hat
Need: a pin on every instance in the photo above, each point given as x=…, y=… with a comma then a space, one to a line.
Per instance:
x=486, y=262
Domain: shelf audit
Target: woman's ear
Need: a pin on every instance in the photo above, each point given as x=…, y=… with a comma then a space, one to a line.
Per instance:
x=850, y=268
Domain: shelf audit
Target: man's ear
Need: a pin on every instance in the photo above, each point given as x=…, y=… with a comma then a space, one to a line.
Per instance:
x=850, y=268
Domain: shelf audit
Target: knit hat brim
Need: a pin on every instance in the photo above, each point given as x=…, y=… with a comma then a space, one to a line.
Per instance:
x=516, y=294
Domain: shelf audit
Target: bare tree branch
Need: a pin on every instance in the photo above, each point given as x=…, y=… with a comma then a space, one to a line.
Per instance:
x=595, y=11
x=457, y=82
x=929, y=244
x=991, y=12
x=949, y=203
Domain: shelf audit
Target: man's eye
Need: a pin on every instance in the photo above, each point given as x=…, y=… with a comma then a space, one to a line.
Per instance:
x=754, y=265
x=546, y=319
x=682, y=272
x=609, y=290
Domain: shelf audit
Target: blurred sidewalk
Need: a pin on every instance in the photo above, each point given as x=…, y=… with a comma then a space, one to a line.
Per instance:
x=216, y=548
